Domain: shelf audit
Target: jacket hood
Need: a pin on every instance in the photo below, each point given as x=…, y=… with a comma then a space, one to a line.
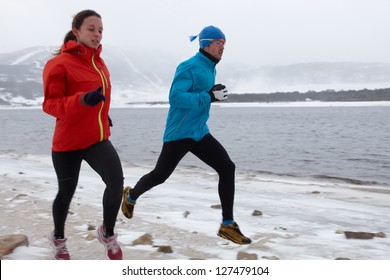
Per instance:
x=72, y=47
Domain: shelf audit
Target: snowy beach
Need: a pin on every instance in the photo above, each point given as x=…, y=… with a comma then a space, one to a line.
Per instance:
x=297, y=219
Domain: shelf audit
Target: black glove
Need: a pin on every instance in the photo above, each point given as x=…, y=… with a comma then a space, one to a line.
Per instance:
x=93, y=97
x=218, y=93
x=110, y=121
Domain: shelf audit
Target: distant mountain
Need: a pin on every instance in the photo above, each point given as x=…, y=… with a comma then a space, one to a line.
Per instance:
x=21, y=76
x=146, y=77
x=310, y=77
x=135, y=76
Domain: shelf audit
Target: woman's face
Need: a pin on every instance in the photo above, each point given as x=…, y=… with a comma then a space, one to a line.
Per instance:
x=90, y=33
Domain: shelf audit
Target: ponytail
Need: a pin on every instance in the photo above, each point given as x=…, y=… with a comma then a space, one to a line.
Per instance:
x=69, y=36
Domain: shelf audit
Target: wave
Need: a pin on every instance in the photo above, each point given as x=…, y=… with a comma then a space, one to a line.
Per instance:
x=321, y=177
x=348, y=180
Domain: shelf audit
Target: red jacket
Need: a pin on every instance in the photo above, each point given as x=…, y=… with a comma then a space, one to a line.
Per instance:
x=66, y=77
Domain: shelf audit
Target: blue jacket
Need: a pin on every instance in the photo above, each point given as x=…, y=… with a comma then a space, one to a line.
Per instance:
x=189, y=99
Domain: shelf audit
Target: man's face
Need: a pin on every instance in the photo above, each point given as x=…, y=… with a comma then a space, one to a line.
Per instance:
x=216, y=48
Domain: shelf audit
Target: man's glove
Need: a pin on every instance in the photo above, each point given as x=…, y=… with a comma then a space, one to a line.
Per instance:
x=93, y=97
x=110, y=121
x=218, y=93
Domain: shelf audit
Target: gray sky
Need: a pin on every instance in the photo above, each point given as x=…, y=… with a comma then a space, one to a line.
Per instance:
x=257, y=31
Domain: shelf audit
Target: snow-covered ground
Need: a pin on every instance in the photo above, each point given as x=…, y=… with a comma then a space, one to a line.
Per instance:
x=301, y=220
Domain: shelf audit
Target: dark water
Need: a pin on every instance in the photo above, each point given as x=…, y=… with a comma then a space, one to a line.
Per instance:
x=349, y=143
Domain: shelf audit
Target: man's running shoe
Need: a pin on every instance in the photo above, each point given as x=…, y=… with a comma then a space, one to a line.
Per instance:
x=113, y=251
x=232, y=232
x=59, y=246
x=127, y=206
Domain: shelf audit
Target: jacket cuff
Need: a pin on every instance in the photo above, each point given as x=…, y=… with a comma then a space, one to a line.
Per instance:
x=82, y=100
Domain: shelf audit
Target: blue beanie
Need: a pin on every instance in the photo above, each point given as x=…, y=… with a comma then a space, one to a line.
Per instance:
x=209, y=32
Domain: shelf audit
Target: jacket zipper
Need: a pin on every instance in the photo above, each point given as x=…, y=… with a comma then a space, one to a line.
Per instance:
x=104, y=83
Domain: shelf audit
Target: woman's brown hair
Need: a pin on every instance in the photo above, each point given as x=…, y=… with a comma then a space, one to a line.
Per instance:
x=78, y=20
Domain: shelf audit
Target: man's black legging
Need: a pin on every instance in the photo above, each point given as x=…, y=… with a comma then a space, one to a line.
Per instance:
x=210, y=151
x=103, y=158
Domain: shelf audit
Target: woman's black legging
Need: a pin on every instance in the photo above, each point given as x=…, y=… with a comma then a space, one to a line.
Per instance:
x=210, y=151
x=103, y=158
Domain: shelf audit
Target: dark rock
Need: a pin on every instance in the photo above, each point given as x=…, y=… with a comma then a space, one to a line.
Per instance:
x=359, y=235
x=270, y=258
x=145, y=239
x=9, y=242
x=164, y=249
x=257, y=213
x=246, y=256
x=91, y=227
x=380, y=235
x=280, y=228
x=90, y=237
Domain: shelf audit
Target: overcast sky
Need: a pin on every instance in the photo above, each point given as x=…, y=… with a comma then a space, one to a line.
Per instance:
x=259, y=31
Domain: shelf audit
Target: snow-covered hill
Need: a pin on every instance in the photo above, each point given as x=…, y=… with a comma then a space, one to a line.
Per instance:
x=146, y=76
x=136, y=77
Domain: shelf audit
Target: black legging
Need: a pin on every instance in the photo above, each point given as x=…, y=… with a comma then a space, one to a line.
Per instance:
x=103, y=158
x=210, y=151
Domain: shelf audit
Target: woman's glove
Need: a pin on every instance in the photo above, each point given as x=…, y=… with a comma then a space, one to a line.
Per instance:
x=94, y=97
